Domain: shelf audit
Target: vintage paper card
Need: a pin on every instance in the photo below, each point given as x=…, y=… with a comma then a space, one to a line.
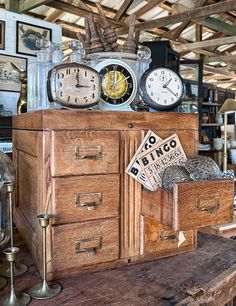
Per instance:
x=161, y=155
x=134, y=168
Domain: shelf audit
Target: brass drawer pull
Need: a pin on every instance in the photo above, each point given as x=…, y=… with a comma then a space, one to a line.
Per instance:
x=83, y=152
x=88, y=246
x=202, y=204
x=89, y=200
x=166, y=234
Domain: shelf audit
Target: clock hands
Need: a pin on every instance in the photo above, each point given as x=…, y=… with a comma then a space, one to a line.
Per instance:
x=171, y=91
x=166, y=86
x=122, y=80
x=167, y=83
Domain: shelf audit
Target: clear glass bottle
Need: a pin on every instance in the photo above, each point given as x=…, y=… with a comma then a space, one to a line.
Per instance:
x=37, y=78
x=56, y=59
x=78, y=52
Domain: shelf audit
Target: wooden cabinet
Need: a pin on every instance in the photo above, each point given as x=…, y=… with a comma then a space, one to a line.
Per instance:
x=72, y=164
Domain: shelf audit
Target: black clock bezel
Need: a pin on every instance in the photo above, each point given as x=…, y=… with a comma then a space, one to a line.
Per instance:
x=130, y=87
x=66, y=104
x=121, y=62
x=146, y=97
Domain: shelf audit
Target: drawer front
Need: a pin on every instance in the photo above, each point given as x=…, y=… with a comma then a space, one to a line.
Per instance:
x=158, y=238
x=81, y=198
x=202, y=203
x=86, y=243
x=80, y=152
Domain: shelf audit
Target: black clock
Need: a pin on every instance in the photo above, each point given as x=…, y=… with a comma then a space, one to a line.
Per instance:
x=162, y=88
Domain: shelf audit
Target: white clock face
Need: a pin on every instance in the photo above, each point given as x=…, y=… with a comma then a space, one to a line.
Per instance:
x=162, y=88
x=74, y=85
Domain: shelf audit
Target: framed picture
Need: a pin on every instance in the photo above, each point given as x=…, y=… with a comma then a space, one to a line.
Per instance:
x=2, y=34
x=9, y=72
x=26, y=36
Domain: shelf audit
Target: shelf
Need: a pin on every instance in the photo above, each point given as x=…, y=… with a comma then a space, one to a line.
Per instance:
x=211, y=124
x=210, y=104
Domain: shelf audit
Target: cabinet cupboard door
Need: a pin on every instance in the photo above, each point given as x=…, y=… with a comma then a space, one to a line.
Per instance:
x=84, y=152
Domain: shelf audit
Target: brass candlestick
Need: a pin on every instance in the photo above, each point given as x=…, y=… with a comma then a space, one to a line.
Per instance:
x=14, y=298
x=44, y=290
x=19, y=267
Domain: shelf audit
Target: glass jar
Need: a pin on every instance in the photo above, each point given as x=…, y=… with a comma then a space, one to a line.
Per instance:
x=37, y=78
x=7, y=174
x=4, y=218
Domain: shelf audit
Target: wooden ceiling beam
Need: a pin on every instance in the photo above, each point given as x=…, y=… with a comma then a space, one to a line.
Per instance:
x=146, y=8
x=220, y=58
x=72, y=9
x=220, y=71
x=189, y=15
x=56, y=14
x=217, y=25
x=175, y=33
x=123, y=9
x=206, y=43
x=27, y=5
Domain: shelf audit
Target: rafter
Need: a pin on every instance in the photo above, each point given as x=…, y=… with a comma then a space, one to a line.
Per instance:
x=146, y=8
x=206, y=43
x=72, y=9
x=217, y=25
x=122, y=10
x=220, y=58
x=56, y=14
x=27, y=5
x=189, y=15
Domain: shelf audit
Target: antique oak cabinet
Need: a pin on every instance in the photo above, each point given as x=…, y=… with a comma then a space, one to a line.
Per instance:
x=72, y=164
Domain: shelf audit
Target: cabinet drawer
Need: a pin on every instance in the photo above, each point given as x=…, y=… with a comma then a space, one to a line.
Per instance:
x=158, y=238
x=81, y=198
x=86, y=243
x=191, y=204
x=81, y=152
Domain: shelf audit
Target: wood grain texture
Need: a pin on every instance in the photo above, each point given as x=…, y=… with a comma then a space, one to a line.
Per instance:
x=87, y=187
x=64, y=245
x=158, y=238
x=130, y=198
x=67, y=145
x=158, y=205
x=103, y=120
x=51, y=177
x=193, y=199
x=209, y=271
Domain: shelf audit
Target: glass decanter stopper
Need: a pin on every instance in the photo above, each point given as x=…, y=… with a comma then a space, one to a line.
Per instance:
x=78, y=52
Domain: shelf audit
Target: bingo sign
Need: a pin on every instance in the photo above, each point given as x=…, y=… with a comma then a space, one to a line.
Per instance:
x=149, y=163
x=134, y=168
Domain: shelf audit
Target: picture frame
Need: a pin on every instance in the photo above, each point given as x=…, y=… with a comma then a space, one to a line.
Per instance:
x=9, y=74
x=26, y=35
x=2, y=34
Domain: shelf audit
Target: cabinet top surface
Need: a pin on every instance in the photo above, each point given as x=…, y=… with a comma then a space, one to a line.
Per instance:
x=104, y=120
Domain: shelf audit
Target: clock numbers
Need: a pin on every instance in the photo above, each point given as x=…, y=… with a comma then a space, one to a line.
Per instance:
x=117, y=84
x=162, y=88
